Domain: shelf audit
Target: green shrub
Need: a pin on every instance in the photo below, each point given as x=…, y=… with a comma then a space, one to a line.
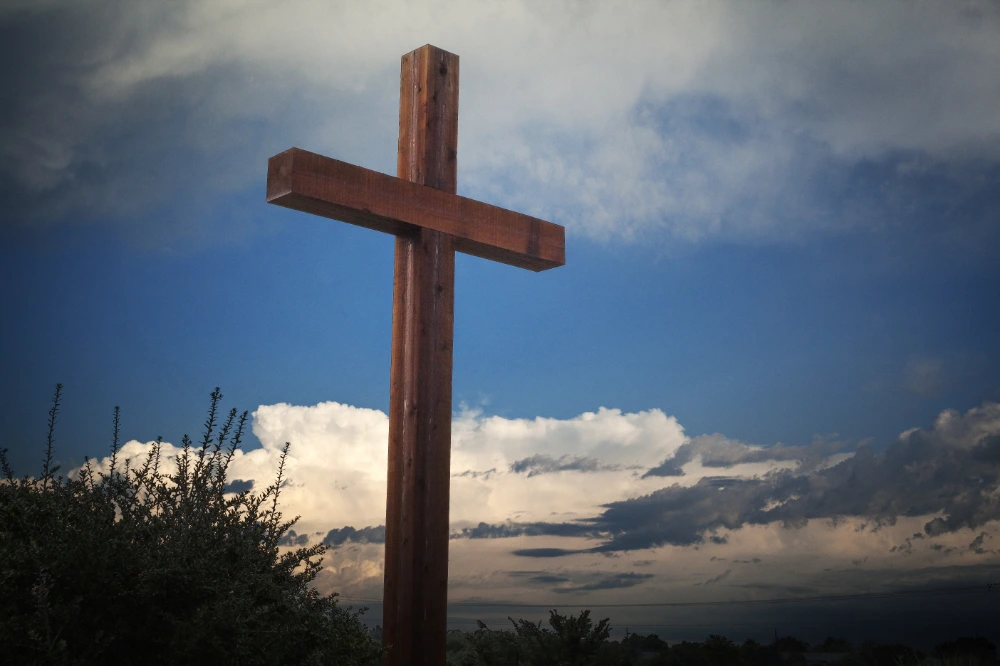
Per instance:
x=138, y=566
x=572, y=641
x=967, y=649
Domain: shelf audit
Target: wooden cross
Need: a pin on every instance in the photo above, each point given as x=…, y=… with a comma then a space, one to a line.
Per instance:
x=430, y=223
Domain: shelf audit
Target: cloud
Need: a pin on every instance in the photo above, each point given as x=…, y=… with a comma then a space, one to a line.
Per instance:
x=293, y=539
x=716, y=579
x=239, y=485
x=743, y=121
x=783, y=516
x=581, y=580
x=719, y=451
x=607, y=447
x=607, y=582
x=544, y=552
x=338, y=537
x=541, y=463
x=355, y=570
x=977, y=544
x=949, y=473
x=485, y=531
x=949, y=469
x=508, y=530
x=336, y=468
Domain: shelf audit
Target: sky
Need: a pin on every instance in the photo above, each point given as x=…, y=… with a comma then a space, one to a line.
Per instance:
x=767, y=371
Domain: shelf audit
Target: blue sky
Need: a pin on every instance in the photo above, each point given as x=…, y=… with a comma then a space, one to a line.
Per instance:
x=781, y=229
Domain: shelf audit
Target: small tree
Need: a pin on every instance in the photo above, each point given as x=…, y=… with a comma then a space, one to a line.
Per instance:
x=973, y=649
x=832, y=644
x=140, y=566
x=720, y=651
x=572, y=641
x=883, y=654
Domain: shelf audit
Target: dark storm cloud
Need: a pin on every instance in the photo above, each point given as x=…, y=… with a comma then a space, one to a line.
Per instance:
x=546, y=552
x=719, y=451
x=338, y=537
x=487, y=531
x=715, y=579
x=917, y=606
x=69, y=151
x=114, y=106
x=977, y=544
x=988, y=451
x=669, y=467
x=545, y=464
x=239, y=485
x=907, y=546
x=686, y=516
x=910, y=580
x=507, y=530
x=96, y=132
x=548, y=579
x=475, y=474
x=293, y=539
x=951, y=469
x=779, y=590
x=582, y=581
x=607, y=582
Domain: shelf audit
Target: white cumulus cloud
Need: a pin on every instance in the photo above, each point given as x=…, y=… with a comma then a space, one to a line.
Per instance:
x=532, y=495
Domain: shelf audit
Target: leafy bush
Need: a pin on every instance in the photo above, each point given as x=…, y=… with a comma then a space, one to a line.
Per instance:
x=572, y=641
x=972, y=649
x=138, y=566
x=883, y=654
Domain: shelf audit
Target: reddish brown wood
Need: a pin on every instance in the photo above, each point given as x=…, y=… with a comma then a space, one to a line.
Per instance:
x=415, y=600
x=330, y=188
x=430, y=223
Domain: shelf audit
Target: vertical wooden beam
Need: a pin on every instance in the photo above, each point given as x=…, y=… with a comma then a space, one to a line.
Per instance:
x=415, y=600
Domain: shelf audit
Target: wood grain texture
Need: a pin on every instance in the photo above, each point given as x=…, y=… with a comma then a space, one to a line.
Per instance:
x=323, y=186
x=419, y=206
x=415, y=599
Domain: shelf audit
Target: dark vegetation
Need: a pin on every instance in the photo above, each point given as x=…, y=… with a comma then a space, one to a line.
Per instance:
x=138, y=566
x=575, y=641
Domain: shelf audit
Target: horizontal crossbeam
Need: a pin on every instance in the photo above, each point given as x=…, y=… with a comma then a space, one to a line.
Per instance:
x=312, y=183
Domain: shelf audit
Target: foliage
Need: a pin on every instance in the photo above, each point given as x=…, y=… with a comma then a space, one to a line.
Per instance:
x=831, y=644
x=790, y=644
x=685, y=653
x=142, y=566
x=572, y=641
x=977, y=649
x=883, y=654
x=531, y=645
x=753, y=653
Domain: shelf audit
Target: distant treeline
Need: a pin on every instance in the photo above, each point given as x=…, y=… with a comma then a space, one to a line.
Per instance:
x=576, y=641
